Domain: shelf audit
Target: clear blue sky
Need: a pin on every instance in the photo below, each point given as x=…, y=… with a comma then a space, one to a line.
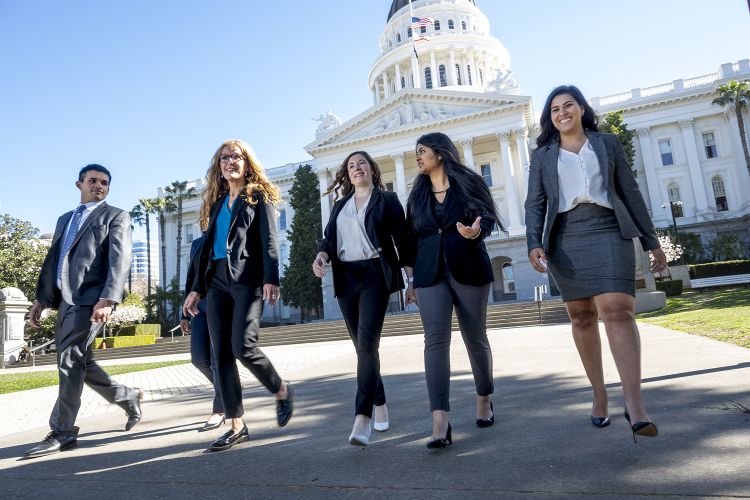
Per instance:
x=149, y=88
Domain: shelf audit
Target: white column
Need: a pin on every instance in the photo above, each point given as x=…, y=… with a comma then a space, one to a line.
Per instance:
x=386, y=86
x=377, y=91
x=652, y=184
x=475, y=72
x=468, y=153
x=374, y=94
x=325, y=204
x=433, y=66
x=511, y=194
x=400, y=176
x=452, y=70
x=415, y=72
x=694, y=165
x=487, y=70
x=522, y=144
x=398, y=77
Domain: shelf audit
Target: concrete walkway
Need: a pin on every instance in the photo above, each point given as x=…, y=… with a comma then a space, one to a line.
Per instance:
x=542, y=444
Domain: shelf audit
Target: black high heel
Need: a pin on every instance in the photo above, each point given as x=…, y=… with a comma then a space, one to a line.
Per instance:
x=600, y=421
x=441, y=443
x=647, y=429
x=488, y=421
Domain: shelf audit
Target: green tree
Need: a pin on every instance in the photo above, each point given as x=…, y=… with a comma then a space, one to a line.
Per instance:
x=613, y=123
x=727, y=246
x=736, y=95
x=178, y=192
x=693, y=247
x=299, y=286
x=162, y=207
x=21, y=255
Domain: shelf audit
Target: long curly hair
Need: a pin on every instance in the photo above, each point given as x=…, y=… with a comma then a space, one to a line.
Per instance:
x=256, y=181
x=342, y=186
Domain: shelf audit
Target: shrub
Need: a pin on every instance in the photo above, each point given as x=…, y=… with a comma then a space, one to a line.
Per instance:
x=693, y=247
x=727, y=246
x=670, y=287
x=712, y=269
x=128, y=341
x=141, y=329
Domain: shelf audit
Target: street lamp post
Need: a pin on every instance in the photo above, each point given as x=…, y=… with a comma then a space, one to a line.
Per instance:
x=671, y=205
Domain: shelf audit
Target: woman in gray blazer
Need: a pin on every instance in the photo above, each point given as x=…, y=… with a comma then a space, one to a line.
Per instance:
x=582, y=211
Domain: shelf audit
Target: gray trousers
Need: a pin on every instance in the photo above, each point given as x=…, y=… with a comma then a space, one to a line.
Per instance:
x=436, y=304
x=76, y=366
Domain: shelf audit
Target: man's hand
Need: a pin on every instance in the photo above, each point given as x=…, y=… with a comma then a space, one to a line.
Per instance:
x=191, y=304
x=271, y=293
x=185, y=326
x=36, y=313
x=102, y=311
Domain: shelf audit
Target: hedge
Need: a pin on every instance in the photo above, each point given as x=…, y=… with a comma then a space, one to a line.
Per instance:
x=713, y=269
x=670, y=287
x=126, y=341
x=141, y=329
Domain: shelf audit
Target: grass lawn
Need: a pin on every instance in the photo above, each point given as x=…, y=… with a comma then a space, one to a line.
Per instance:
x=13, y=382
x=722, y=315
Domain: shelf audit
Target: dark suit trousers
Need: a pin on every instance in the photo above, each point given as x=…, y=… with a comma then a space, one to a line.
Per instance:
x=436, y=304
x=76, y=366
x=363, y=306
x=234, y=311
x=200, y=355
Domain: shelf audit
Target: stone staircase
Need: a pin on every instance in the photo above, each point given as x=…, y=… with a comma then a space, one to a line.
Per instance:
x=408, y=323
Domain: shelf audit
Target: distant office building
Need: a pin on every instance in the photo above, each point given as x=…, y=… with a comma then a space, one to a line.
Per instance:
x=139, y=263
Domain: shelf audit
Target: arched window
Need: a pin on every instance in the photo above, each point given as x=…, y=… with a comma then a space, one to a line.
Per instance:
x=398, y=37
x=509, y=285
x=458, y=74
x=408, y=32
x=428, y=78
x=450, y=24
x=468, y=73
x=720, y=194
x=437, y=25
x=443, y=77
x=463, y=25
x=673, y=190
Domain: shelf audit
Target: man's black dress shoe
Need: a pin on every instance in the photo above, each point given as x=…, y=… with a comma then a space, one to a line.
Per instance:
x=54, y=442
x=285, y=407
x=133, y=410
x=229, y=439
x=488, y=421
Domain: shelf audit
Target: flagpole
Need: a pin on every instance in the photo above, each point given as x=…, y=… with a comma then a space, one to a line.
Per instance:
x=415, y=59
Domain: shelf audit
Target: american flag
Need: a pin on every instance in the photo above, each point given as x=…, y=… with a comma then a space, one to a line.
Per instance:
x=422, y=22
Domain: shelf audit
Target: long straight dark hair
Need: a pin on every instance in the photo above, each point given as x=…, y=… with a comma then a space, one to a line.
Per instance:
x=549, y=132
x=467, y=186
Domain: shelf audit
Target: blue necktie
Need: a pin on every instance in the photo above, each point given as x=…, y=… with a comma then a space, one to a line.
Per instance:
x=70, y=237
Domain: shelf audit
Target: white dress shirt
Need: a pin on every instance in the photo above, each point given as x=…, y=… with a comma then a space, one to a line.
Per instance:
x=580, y=179
x=352, y=242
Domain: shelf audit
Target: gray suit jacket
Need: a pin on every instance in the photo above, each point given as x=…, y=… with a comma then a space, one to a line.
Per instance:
x=97, y=264
x=622, y=192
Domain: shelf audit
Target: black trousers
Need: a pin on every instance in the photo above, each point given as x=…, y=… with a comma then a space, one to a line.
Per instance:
x=200, y=355
x=234, y=311
x=76, y=366
x=363, y=306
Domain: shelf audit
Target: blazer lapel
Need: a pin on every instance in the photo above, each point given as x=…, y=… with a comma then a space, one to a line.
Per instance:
x=550, y=173
x=601, y=154
x=239, y=203
x=450, y=203
x=373, y=201
x=89, y=220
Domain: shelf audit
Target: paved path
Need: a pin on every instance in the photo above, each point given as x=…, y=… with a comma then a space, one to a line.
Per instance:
x=542, y=445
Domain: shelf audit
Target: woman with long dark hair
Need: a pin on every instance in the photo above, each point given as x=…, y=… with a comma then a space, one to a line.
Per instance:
x=449, y=213
x=363, y=239
x=582, y=211
x=238, y=269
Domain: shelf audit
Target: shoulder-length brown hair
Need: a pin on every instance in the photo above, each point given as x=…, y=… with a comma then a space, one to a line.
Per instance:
x=256, y=181
x=342, y=186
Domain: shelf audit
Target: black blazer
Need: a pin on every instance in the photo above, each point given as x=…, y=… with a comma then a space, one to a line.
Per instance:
x=467, y=260
x=252, y=245
x=622, y=192
x=386, y=227
x=195, y=249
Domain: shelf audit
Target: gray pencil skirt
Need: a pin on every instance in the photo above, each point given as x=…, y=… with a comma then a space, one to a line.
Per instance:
x=587, y=256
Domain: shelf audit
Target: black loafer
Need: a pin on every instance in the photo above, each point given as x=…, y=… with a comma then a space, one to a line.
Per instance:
x=229, y=439
x=285, y=407
x=53, y=443
x=133, y=410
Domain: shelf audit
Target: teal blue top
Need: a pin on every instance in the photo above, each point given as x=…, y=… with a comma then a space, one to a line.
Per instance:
x=221, y=234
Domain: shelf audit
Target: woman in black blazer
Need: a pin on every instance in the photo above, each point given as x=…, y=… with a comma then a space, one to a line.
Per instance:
x=449, y=213
x=582, y=211
x=363, y=239
x=238, y=269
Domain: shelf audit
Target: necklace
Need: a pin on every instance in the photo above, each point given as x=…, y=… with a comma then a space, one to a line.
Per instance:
x=441, y=191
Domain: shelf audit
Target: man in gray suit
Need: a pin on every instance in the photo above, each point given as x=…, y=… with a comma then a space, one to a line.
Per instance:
x=84, y=276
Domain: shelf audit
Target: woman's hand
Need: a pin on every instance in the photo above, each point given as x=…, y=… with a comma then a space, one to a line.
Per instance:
x=470, y=232
x=271, y=293
x=319, y=264
x=190, y=307
x=411, y=295
x=538, y=260
x=658, y=260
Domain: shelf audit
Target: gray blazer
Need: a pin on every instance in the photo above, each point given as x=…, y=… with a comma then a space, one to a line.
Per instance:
x=97, y=264
x=622, y=192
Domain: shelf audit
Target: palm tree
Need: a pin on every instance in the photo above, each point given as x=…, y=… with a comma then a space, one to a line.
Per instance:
x=178, y=191
x=736, y=95
x=162, y=207
x=141, y=215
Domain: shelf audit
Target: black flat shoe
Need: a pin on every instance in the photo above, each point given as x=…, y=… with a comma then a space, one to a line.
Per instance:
x=53, y=443
x=285, y=407
x=486, y=422
x=441, y=443
x=600, y=421
x=647, y=429
x=211, y=426
x=229, y=439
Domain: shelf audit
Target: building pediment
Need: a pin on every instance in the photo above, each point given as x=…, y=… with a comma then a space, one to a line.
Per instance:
x=415, y=109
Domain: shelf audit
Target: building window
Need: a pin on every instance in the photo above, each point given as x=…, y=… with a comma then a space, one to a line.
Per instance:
x=443, y=78
x=423, y=29
x=709, y=143
x=189, y=234
x=720, y=194
x=389, y=186
x=398, y=37
x=463, y=25
x=408, y=32
x=509, y=285
x=450, y=24
x=673, y=191
x=487, y=174
x=665, y=148
x=481, y=77
x=282, y=219
x=468, y=73
x=437, y=25
x=428, y=78
x=403, y=82
x=458, y=74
